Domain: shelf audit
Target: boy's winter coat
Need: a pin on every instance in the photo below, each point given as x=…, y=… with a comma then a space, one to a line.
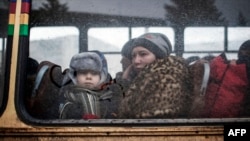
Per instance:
x=83, y=103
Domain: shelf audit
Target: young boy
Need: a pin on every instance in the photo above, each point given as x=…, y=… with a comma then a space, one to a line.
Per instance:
x=88, y=72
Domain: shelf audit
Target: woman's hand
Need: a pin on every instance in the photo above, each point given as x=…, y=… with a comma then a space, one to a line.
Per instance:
x=126, y=72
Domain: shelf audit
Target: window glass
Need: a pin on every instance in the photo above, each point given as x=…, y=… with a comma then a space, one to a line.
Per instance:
x=2, y=64
x=111, y=40
x=51, y=44
x=60, y=29
x=204, y=39
x=236, y=36
x=4, y=10
x=114, y=64
x=107, y=39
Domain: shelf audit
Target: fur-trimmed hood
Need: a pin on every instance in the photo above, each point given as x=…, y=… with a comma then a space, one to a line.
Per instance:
x=92, y=60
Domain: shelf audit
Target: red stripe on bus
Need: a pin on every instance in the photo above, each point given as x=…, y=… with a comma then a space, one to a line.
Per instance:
x=24, y=9
x=12, y=7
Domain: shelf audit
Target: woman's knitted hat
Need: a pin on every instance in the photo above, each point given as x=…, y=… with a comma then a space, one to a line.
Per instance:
x=157, y=43
x=127, y=47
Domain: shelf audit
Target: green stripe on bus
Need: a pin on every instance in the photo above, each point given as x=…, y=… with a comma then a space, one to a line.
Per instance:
x=10, y=29
x=24, y=29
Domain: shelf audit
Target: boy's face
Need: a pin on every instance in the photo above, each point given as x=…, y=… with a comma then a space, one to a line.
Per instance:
x=88, y=78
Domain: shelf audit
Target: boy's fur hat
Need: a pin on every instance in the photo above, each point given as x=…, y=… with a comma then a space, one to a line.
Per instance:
x=91, y=60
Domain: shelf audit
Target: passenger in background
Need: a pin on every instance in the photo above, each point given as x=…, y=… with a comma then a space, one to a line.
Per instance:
x=116, y=88
x=32, y=67
x=125, y=61
x=228, y=94
x=160, y=88
x=86, y=98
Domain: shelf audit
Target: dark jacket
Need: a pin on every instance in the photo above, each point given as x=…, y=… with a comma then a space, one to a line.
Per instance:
x=81, y=103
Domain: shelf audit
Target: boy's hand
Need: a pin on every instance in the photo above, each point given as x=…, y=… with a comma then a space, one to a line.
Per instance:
x=89, y=116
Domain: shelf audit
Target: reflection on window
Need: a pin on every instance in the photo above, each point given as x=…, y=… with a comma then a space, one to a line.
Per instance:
x=204, y=39
x=114, y=64
x=111, y=40
x=236, y=36
x=2, y=64
x=107, y=39
x=55, y=44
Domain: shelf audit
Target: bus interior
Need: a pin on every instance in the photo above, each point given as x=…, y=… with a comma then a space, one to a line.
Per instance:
x=55, y=30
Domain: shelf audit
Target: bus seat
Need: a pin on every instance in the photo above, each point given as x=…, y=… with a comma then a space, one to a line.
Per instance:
x=45, y=97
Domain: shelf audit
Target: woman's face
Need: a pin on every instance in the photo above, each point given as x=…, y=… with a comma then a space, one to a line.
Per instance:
x=142, y=57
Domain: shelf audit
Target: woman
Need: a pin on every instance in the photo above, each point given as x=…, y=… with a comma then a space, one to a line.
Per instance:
x=160, y=88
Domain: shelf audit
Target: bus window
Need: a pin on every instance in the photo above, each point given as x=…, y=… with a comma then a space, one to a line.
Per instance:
x=236, y=36
x=204, y=39
x=59, y=29
x=111, y=40
x=3, y=43
x=49, y=43
x=212, y=39
x=199, y=40
x=2, y=64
